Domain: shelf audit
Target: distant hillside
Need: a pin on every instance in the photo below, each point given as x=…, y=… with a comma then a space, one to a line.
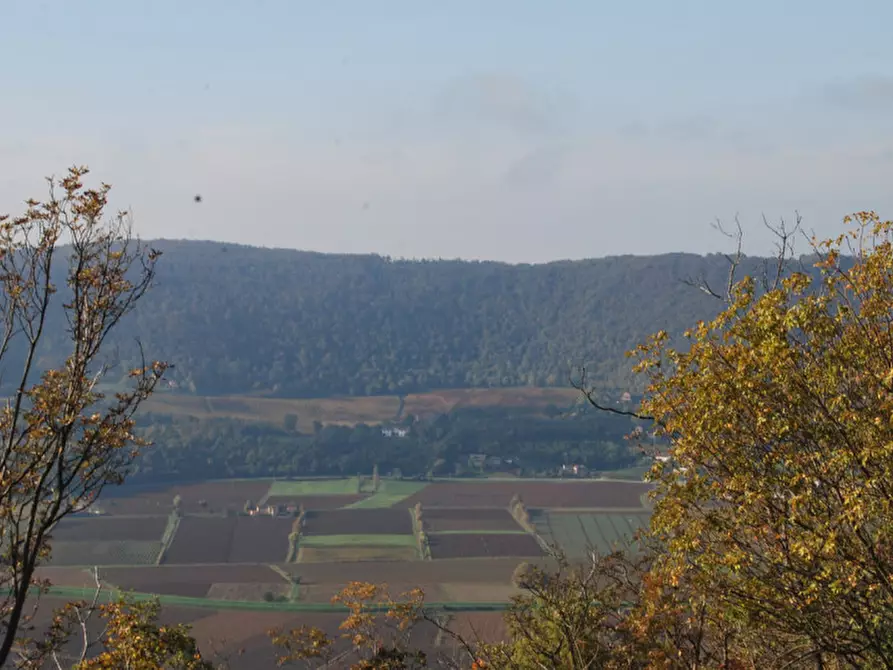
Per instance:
x=237, y=319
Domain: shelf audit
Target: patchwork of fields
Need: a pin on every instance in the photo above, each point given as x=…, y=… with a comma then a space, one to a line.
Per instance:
x=456, y=540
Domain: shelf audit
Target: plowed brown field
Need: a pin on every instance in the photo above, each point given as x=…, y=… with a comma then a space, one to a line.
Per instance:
x=575, y=494
x=359, y=522
x=187, y=580
x=216, y=496
x=260, y=540
x=202, y=539
x=470, y=545
x=468, y=519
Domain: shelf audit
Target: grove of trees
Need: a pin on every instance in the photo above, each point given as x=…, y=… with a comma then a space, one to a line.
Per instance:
x=236, y=320
x=186, y=448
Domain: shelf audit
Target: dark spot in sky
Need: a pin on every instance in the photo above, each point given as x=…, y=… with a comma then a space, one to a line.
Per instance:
x=365, y=205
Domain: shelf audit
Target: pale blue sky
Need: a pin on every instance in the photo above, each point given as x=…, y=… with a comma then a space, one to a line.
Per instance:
x=519, y=130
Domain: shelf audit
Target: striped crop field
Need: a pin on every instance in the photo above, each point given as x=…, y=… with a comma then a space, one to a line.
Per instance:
x=576, y=533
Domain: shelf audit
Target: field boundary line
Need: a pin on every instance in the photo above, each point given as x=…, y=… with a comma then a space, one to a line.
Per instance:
x=550, y=550
x=417, y=530
x=295, y=591
x=167, y=538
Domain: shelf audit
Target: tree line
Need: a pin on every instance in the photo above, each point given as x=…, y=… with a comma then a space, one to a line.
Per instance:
x=534, y=444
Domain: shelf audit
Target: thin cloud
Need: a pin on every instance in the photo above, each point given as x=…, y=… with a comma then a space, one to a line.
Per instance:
x=500, y=100
x=872, y=93
x=483, y=196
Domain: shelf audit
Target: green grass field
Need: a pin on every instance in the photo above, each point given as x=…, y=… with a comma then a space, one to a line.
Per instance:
x=390, y=492
x=356, y=554
x=313, y=487
x=357, y=541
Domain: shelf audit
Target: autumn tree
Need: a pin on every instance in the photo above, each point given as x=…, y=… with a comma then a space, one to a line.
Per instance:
x=131, y=637
x=775, y=511
x=61, y=440
x=375, y=632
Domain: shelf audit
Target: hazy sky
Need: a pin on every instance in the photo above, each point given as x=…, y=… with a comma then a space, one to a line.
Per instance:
x=519, y=130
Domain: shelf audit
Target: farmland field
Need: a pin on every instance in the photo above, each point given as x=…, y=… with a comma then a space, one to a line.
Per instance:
x=574, y=494
x=443, y=401
x=353, y=553
x=470, y=592
x=211, y=497
x=357, y=540
x=293, y=489
x=191, y=581
x=311, y=502
x=577, y=533
x=468, y=519
x=240, y=561
x=472, y=545
x=104, y=552
x=75, y=577
x=239, y=539
x=201, y=539
x=364, y=521
x=347, y=411
x=477, y=570
x=144, y=528
x=480, y=626
x=260, y=539
x=257, y=591
x=390, y=493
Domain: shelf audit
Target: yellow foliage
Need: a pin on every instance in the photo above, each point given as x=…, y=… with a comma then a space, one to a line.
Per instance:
x=779, y=506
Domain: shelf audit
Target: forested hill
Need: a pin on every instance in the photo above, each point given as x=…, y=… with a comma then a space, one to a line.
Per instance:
x=237, y=319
